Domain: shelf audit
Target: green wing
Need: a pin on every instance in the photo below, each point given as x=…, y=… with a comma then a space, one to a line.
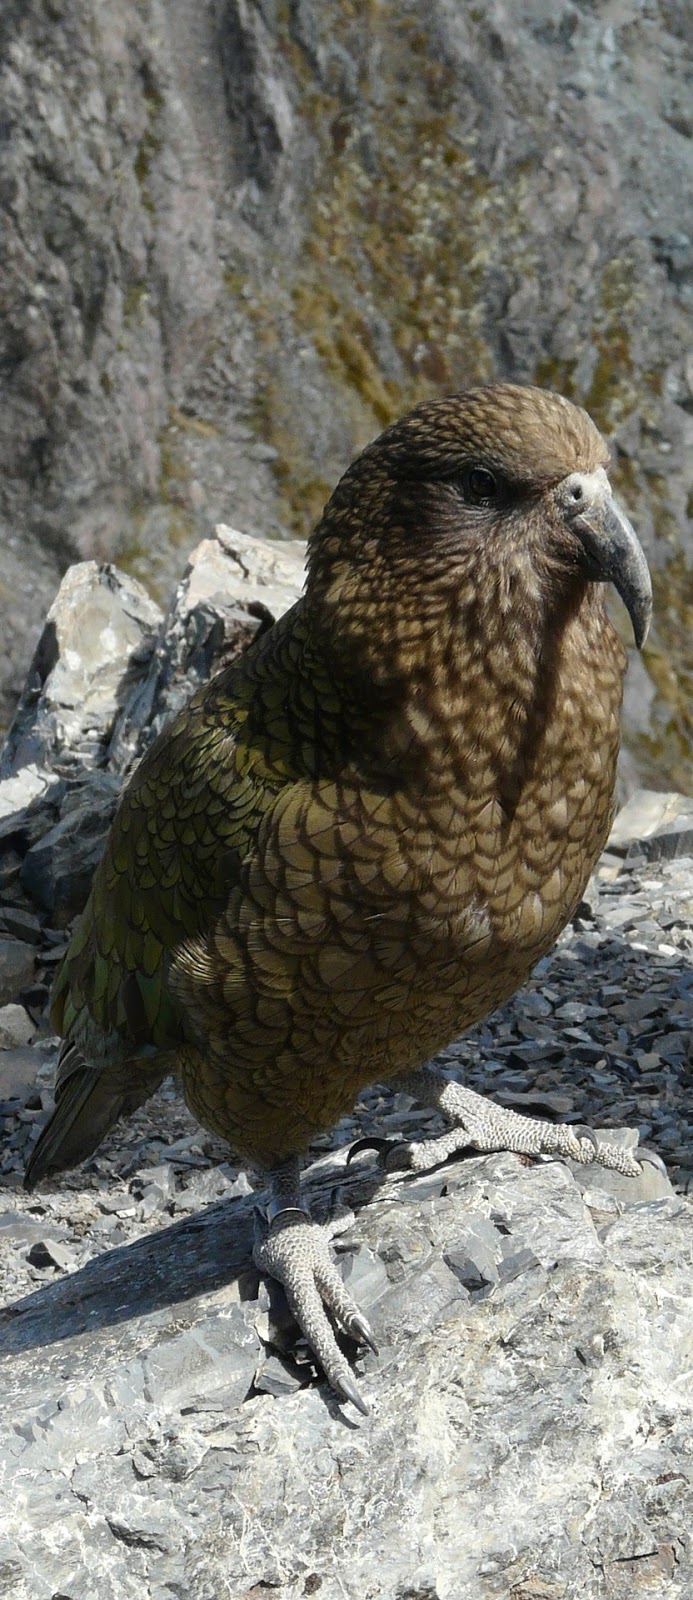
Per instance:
x=184, y=823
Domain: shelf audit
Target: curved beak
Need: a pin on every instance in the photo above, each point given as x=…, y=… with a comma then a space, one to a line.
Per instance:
x=613, y=551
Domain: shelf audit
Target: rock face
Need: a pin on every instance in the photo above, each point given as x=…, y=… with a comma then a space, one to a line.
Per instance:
x=161, y=1432
x=107, y=672
x=236, y=239
x=530, y=1426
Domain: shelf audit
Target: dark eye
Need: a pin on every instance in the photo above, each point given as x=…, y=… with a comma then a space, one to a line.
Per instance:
x=480, y=486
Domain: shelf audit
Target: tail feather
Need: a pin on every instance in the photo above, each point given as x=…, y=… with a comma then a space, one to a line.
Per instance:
x=89, y=1101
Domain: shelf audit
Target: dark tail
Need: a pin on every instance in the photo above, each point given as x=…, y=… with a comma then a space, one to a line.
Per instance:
x=88, y=1103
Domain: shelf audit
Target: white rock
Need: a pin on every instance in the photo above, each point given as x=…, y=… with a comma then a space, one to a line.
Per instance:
x=16, y=1027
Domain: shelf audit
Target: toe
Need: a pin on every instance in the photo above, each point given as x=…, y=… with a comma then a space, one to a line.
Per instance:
x=361, y=1331
x=650, y=1157
x=343, y=1385
x=296, y=1253
x=382, y=1147
x=585, y=1134
x=343, y=1308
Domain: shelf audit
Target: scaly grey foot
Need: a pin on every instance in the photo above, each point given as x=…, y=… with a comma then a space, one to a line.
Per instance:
x=296, y=1252
x=485, y=1126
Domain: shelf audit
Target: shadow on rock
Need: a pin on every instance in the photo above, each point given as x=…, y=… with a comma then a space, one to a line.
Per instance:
x=193, y=1257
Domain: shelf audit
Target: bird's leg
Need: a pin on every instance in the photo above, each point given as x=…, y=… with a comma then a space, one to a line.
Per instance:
x=476, y=1121
x=296, y=1252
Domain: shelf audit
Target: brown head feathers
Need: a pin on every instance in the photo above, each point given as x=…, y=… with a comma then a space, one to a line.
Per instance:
x=532, y=435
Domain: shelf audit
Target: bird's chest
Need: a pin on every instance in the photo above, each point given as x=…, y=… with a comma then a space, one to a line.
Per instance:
x=485, y=875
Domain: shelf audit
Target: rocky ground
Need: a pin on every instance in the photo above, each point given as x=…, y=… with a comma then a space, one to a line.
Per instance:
x=162, y=1434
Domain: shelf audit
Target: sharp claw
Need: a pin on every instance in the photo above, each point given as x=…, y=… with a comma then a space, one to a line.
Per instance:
x=639, y=1156
x=379, y=1145
x=583, y=1132
x=652, y=1157
x=294, y=1252
x=347, y=1390
x=360, y=1330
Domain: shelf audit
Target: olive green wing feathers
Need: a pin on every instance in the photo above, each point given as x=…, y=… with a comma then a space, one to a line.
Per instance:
x=181, y=828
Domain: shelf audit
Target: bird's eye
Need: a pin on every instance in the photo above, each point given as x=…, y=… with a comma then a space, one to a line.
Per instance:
x=480, y=485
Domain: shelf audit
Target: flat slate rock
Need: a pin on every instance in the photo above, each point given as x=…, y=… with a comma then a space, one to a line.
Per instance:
x=152, y=1443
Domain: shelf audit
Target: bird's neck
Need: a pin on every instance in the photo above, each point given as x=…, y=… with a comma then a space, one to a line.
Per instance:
x=462, y=690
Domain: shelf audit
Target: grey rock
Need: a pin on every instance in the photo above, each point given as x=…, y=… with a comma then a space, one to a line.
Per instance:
x=18, y=1229
x=51, y=1253
x=656, y=826
x=365, y=1273
x=108, y=673
x=221, y=1353
x=99, y=632
x=29, y=802
x=474, y=1260
x=513, y=1264
x=23, y=1069
x=277, y=1377
x=58, y=869
x=232, y=585
x=142, y=1417
x=665, y=846
x=20, y=924
x=17, y=962
x=538, y=1104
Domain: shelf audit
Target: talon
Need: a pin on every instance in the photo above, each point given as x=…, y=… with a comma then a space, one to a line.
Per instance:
x=581, y=1131
x=295, y=1252
x=650, y=1156
x=347, y=1390
x=360, y=1331
x=381, y=1146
